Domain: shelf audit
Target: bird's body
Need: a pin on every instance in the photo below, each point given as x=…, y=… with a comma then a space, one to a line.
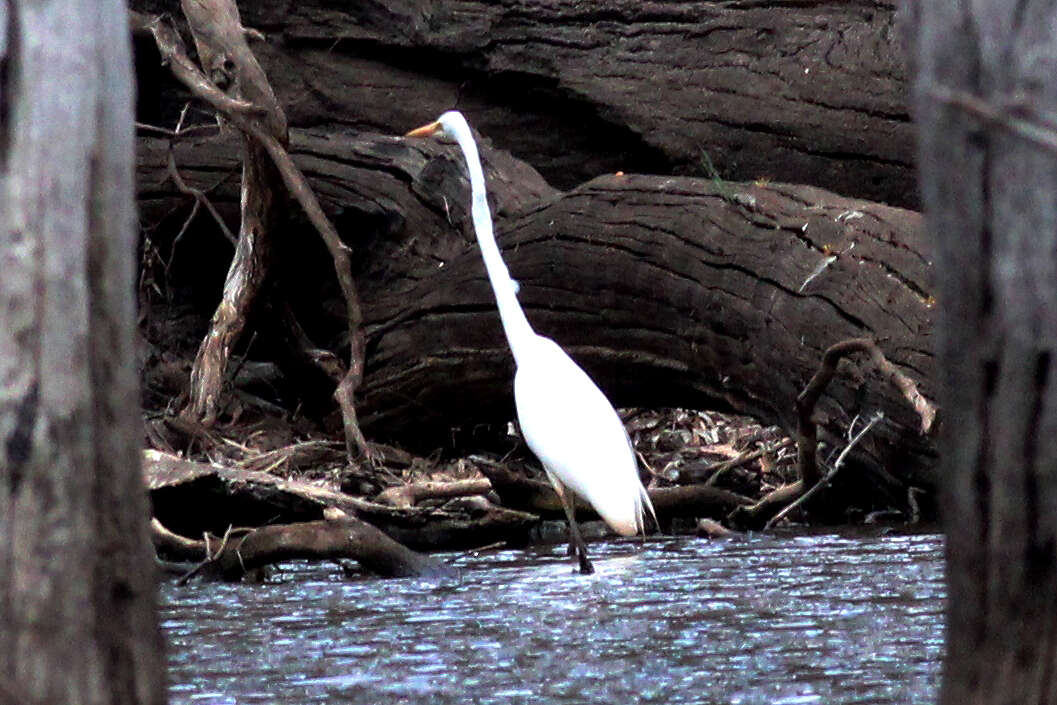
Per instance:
x=574, y=431
x=565, y=418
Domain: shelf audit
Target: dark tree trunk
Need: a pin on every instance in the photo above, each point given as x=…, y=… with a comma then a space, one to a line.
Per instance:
x=670, y=291
x=985, y=96
x=808, y=92
x=77, y=581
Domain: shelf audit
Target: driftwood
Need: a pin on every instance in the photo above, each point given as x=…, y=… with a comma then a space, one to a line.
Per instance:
x=239, y=552
x=224, y=497
x=807, y=431
x=284, y=519
x=811, y=92
x=408, y=495
x=226, y=59
x=824, y=482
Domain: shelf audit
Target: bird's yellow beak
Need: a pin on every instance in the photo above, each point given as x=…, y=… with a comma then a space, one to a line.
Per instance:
x=425, y=131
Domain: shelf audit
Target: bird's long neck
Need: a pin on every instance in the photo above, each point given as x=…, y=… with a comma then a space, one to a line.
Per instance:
x=518, y=331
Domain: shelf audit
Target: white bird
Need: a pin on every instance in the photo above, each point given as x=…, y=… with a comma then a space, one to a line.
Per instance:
x=565, y=418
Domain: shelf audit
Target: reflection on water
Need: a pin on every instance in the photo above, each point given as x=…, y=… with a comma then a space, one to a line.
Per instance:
x=810, y=619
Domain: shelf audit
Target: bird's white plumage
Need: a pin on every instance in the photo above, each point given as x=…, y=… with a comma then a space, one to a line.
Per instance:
x=574, y=431
x=565, y=418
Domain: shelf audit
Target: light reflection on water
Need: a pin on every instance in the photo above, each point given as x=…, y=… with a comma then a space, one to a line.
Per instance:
x=810, y=619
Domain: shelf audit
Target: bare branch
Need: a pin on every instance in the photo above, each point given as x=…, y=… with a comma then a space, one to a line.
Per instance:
x=807, y=434
x=214, y=24
x=174, y=55
x=824, y=482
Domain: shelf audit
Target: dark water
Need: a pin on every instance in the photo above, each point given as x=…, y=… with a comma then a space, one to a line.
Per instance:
x=810, y=619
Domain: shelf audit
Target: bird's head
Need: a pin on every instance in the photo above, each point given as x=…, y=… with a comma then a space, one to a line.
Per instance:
x=451, y=124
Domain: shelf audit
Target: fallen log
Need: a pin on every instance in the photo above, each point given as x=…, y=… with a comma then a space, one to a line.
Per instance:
x=410, y=494
x=681, y=292
x=237, y=553
x=694, y=501
x=812, y=92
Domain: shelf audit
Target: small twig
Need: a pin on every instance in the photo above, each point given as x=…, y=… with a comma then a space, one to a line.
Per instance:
x=200, y=200
x=746, y=457
x=193, y=131
x=830, y=256
x=210, y=557
x=183, y=116
x=1041, y=131
x=181, y=186
x=649, y=468
x=824, y=482
x=242, y=358
x=826, y=261
x=238, y=550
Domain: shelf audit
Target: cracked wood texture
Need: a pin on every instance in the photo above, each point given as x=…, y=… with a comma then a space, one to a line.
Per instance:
x=808, y=92
x=989, y=185
x=77, y=578
x=669, y=291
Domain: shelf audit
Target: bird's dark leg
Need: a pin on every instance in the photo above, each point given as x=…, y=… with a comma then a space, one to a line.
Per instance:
x=575, y=539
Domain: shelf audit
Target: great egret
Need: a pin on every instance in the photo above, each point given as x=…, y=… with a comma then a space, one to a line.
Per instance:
x=565, y=418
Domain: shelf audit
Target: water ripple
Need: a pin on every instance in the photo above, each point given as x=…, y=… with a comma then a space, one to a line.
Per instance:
x=798, y=620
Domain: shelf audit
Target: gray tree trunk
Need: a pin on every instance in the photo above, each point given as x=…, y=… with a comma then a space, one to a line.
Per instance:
x=77, y=588
x=985, y=96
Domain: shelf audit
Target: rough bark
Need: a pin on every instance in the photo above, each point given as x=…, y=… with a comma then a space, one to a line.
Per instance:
x=670, y=291
x=678, y=293
x=985, y=96
x=810, y=92
x=227, y=61
x=77, y=584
